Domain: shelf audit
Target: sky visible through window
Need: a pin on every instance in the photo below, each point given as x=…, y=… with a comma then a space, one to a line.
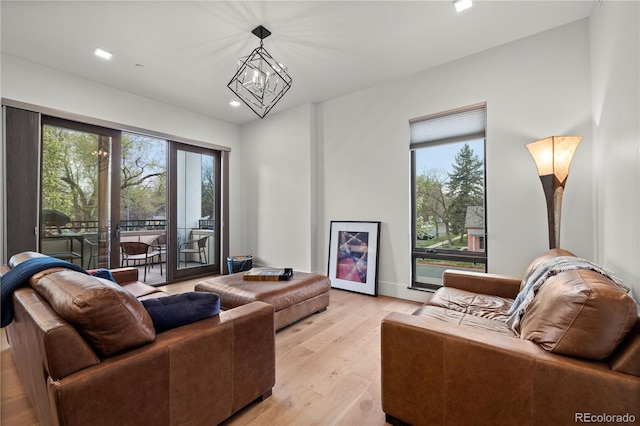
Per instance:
x=443, y=157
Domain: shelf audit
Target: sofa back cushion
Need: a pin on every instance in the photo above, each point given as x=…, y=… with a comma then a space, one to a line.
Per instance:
x=579, y=313
x=110, y=318
x=549, y=254
x=17, y=259
x=626, y=359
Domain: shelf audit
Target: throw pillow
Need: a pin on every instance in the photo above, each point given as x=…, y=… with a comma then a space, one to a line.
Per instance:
x=102, y=273
x=181, y=309
x=580, y=313
x=109, y=317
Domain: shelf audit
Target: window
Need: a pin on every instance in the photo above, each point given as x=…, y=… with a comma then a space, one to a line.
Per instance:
x=101, y=187
x=448, y=188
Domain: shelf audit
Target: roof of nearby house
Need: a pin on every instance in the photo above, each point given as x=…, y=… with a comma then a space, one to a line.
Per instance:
x=475, y=217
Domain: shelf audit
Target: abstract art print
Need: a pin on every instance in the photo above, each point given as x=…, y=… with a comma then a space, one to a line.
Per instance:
x=353, y=256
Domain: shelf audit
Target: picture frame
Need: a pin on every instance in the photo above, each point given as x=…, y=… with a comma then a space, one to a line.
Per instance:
x=353, y=256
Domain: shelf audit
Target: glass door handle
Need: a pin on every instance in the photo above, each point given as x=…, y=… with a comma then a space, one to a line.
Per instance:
x=116, y=232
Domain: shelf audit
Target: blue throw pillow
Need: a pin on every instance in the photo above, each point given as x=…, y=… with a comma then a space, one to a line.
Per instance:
x=102, y=273
x=181, y=309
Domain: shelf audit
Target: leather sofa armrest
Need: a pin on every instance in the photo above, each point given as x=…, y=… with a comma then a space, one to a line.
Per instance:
x=194, y=374
x=435, y=372
x=479, y=282
x=125, y=275
x=254, y=351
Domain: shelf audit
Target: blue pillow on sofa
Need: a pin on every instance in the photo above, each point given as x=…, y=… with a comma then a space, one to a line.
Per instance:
x=102, y=273
x=181, y=309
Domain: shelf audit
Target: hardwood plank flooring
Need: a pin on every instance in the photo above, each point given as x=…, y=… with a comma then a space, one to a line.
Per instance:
x=327, y=368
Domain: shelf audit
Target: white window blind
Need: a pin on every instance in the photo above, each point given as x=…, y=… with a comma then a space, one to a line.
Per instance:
x=457, y=125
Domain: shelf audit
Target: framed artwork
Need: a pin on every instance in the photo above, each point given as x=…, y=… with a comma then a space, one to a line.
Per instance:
x=353, y=256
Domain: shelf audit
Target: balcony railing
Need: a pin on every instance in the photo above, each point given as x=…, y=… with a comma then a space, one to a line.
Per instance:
x=91, y=226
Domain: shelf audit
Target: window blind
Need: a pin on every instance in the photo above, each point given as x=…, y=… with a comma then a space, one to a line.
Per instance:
x=457, y=125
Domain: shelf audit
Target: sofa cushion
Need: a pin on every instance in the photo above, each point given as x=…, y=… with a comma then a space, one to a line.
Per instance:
x=549, y=254
x=579, y=313
x=17, y=259
x=109, y=317
x=459, y=318
x=481, y=305
x=181, y=309
x=626, y=358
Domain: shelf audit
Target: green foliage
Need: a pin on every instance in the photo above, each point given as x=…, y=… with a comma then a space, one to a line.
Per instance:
x=208, y=194
x=75, y=163
x=465, y=186
x=143, y=177
x=432, y=200
x=70, y=172
x=444, y=197
x=56, y=194
x=423, y=228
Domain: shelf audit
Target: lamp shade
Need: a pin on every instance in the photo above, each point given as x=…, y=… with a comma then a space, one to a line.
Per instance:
x=553, y=155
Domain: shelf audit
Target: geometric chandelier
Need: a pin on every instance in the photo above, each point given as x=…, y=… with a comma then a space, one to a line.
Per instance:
x=260, y=81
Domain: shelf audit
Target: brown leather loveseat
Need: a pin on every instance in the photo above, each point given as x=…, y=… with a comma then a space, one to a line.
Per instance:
x=113, y=368
x=466, y=358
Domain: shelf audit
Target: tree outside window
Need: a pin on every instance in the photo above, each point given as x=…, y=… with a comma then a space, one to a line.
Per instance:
x=448, y=186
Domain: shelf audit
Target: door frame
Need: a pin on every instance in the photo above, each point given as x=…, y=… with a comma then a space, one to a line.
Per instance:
x=115, y=160
x=173, y=271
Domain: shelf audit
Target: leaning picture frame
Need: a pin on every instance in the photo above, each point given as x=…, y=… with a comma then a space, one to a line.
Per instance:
x=353, y=256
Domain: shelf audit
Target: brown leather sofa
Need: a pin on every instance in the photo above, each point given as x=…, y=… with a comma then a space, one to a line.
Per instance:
x=457, y=361
x=196, y=374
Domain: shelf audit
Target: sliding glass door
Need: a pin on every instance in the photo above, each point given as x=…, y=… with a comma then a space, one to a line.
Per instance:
x=143, y=205
x=100, y=188
x=79, y=182
x=104, y=191
x=195, y=230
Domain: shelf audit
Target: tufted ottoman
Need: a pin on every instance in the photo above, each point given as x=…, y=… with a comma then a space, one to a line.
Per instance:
x=302, y=295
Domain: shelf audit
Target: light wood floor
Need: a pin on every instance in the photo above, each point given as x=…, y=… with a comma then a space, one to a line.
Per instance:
x=327, y=368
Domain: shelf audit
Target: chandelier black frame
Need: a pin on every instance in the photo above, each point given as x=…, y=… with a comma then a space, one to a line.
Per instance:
x=260, y=81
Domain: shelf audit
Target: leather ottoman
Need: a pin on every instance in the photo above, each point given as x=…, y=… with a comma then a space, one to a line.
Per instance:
x=300, y=296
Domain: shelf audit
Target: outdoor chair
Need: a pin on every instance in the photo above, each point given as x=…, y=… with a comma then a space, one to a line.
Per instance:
x=93, y=252
x=160, y=244
x=192, y=247
x=137, y=251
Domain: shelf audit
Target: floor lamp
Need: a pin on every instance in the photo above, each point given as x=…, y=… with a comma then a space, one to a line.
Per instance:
x=553, y=156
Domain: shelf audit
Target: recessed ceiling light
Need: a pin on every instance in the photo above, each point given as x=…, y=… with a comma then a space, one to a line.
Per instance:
x=102, y=53
x=462, y=5
x=235, y=103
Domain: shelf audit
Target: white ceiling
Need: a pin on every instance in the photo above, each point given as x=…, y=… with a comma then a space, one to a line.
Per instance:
x=189, y=49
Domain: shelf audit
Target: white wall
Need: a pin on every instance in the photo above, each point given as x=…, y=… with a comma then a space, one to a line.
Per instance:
x=278, y=177
x=534, y=88
x=31, y=83
x=348, y=158
x=615, y=70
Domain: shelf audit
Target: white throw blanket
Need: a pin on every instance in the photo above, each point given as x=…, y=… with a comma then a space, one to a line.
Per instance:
x=545, y=270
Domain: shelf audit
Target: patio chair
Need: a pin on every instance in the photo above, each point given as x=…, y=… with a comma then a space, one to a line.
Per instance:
x=160, y=244
x=192, y=247
x=93, y=252
x=137, y=251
